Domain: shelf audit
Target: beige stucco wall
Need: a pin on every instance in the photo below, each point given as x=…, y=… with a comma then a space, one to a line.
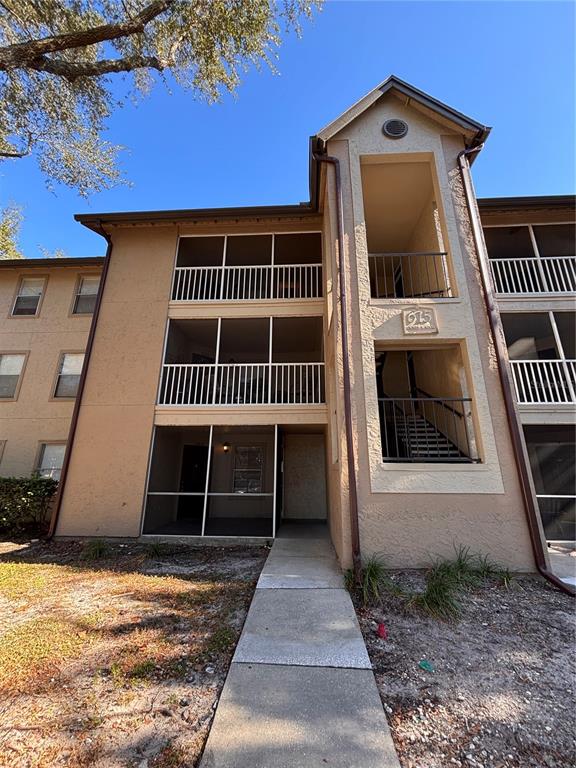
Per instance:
x=104, y=489
x=35, y=416
x=411, y=513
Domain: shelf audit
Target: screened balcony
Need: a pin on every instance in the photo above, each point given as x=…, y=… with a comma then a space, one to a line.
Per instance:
x=552, y=452
x=542, y=352
x=424, y=415
x=239, y=361
x=249, y=268
x=532, y=259
x=407, y=253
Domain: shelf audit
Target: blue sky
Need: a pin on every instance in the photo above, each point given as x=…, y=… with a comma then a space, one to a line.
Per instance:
x=510, y=65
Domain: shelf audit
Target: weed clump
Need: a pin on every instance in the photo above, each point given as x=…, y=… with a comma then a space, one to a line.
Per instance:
x=446, y=581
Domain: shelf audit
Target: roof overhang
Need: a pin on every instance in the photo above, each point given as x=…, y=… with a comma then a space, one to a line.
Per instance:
x=80, y=261
x=515, y=203
x=96, y=221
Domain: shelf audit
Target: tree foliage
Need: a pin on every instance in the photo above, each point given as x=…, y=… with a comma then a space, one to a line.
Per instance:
x=10, y=221
x=57, y=59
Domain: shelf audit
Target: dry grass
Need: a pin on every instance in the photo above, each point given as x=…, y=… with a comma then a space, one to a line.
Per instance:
x=97, y=653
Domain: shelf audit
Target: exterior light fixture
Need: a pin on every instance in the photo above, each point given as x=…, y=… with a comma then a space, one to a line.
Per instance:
x=226, y=447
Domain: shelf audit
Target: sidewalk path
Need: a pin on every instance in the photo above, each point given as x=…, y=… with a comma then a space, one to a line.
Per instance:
x=300, y=692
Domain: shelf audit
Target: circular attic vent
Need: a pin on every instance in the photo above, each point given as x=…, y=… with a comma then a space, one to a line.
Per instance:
x=395, y=129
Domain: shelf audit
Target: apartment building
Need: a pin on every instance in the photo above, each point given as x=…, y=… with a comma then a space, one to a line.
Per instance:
x=332, y=361
x=46, y=306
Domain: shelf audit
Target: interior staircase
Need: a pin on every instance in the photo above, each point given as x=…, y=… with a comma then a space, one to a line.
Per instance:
x=421, y=440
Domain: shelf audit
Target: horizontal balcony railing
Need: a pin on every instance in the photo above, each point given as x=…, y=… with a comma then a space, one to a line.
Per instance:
x=409, y=275
x=248, y=283
x=548, y=274
x=544, y=382
x=426, y=429
x=242, y=384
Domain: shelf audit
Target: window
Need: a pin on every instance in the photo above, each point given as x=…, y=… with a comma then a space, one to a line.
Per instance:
x=248, y=465
x=85, y=299
x=10, y=370
x=51, y=460
x=29, y=295
x=69, y=375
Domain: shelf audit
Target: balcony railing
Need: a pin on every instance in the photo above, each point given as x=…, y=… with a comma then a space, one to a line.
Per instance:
x=426, y=429
x=248, y=283
x=409, y=275
x=548, y=274
x=242, y=384
x=544, y=382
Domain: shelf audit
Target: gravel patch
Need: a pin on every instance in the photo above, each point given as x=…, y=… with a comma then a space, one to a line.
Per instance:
x=494, y=690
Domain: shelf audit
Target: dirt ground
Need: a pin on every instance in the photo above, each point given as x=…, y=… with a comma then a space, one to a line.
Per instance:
x=501, y=693
x=119, y=660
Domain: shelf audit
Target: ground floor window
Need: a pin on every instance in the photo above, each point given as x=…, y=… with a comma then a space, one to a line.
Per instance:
x=51, y=459
x=552, y=452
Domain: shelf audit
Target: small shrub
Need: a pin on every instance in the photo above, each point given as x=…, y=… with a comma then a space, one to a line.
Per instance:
x=25, y=502
x=372, y=580
x=156, y=548
x=95, y=549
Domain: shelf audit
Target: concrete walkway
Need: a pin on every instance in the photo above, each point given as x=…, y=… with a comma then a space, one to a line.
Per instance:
x=300, y=692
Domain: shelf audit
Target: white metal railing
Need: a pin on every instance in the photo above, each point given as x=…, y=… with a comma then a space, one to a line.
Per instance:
x=544, y=382
x=242, y=384
x=269, y=281
x=547, y=274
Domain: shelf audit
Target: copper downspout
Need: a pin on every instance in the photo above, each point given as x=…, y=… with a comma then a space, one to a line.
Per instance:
x=75, y=413
x=352, y=480
x=496, y=328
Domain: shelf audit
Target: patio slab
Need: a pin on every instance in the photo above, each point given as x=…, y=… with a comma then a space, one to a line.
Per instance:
x=299, y=717
x=309, y=627
x=296, y=572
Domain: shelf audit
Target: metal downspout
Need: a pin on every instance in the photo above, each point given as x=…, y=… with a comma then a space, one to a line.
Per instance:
x=522, y=465
x=352, y=479
x=75, y=413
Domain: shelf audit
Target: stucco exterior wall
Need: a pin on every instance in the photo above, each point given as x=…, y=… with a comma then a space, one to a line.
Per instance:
x=411, y=513
x=36, y=416
x=104, y=491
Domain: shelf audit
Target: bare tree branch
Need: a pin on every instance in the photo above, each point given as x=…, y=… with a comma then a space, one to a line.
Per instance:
x=19, y=54
x=24, y=152
x=72, y=70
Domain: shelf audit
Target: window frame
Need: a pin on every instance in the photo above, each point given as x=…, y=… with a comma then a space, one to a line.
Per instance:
x=26, y=354
x=261, y=447
x=21, y=278
x=78, y=284
x=63, y=353
x=40, y=453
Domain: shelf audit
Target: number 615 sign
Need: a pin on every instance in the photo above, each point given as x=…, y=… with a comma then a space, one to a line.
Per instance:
x=419, y=320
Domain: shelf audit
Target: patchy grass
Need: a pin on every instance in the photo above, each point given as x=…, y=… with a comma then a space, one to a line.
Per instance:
x=107, y=655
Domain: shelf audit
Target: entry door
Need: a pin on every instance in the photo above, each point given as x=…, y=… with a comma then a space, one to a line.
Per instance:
x=193, y=480
x=304, y=477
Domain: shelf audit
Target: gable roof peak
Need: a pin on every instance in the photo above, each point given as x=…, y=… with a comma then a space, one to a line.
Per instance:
x=475, y=132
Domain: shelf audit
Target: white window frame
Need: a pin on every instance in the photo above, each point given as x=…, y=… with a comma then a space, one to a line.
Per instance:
x=19, y=295
x=59, y=374
x=78, y=294
x=24, y=356
x=53, y=470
